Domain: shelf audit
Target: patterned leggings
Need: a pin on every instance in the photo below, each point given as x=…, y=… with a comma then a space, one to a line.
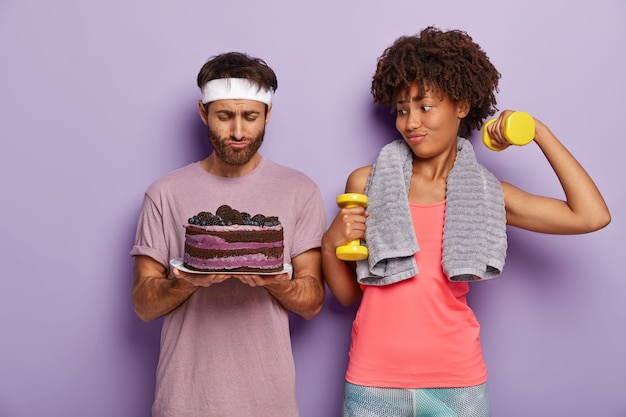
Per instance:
x=359, y=401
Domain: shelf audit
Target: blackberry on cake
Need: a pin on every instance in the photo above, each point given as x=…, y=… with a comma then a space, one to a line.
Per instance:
x=233, y=241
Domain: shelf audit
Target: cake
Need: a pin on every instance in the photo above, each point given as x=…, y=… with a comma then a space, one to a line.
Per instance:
x=233, y=241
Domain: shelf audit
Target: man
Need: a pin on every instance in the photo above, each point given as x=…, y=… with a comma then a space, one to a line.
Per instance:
x=225, y=346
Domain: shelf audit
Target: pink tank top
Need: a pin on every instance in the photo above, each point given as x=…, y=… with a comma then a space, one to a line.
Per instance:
x=418, y=333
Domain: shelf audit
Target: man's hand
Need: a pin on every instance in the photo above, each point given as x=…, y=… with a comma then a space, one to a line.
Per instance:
x=200, y=280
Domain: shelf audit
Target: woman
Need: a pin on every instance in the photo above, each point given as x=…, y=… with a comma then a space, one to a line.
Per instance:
x=415, y=342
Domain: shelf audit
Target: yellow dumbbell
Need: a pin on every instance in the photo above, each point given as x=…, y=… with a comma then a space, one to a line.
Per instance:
x=352, y=251
x=519, y=129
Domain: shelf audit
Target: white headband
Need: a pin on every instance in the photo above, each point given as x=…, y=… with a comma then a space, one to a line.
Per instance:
x=234, y=88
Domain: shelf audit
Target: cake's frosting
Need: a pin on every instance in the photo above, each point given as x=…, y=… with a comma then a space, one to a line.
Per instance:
x=234, y=228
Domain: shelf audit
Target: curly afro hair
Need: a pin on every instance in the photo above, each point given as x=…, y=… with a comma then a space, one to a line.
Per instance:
x=449, y=62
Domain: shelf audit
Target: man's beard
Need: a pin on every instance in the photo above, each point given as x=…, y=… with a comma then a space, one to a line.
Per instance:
x=232, y=156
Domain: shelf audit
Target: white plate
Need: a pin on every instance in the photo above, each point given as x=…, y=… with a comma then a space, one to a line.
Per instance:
x=178, y=264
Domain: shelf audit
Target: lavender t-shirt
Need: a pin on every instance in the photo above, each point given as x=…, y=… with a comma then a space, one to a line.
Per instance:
x=226, y=351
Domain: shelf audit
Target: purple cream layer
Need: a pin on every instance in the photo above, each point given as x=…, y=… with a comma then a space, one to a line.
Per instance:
x=214, y=242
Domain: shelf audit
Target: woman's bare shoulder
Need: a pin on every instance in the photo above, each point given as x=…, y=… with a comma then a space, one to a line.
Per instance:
x=358, y=179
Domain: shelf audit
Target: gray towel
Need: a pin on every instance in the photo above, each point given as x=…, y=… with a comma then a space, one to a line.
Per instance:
x=474, y=236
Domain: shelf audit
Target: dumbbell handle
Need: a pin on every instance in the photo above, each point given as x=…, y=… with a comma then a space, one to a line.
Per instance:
x=519, y=129
x=352, y=251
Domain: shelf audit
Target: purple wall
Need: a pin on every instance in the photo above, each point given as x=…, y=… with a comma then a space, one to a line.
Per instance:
x=98, y=99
